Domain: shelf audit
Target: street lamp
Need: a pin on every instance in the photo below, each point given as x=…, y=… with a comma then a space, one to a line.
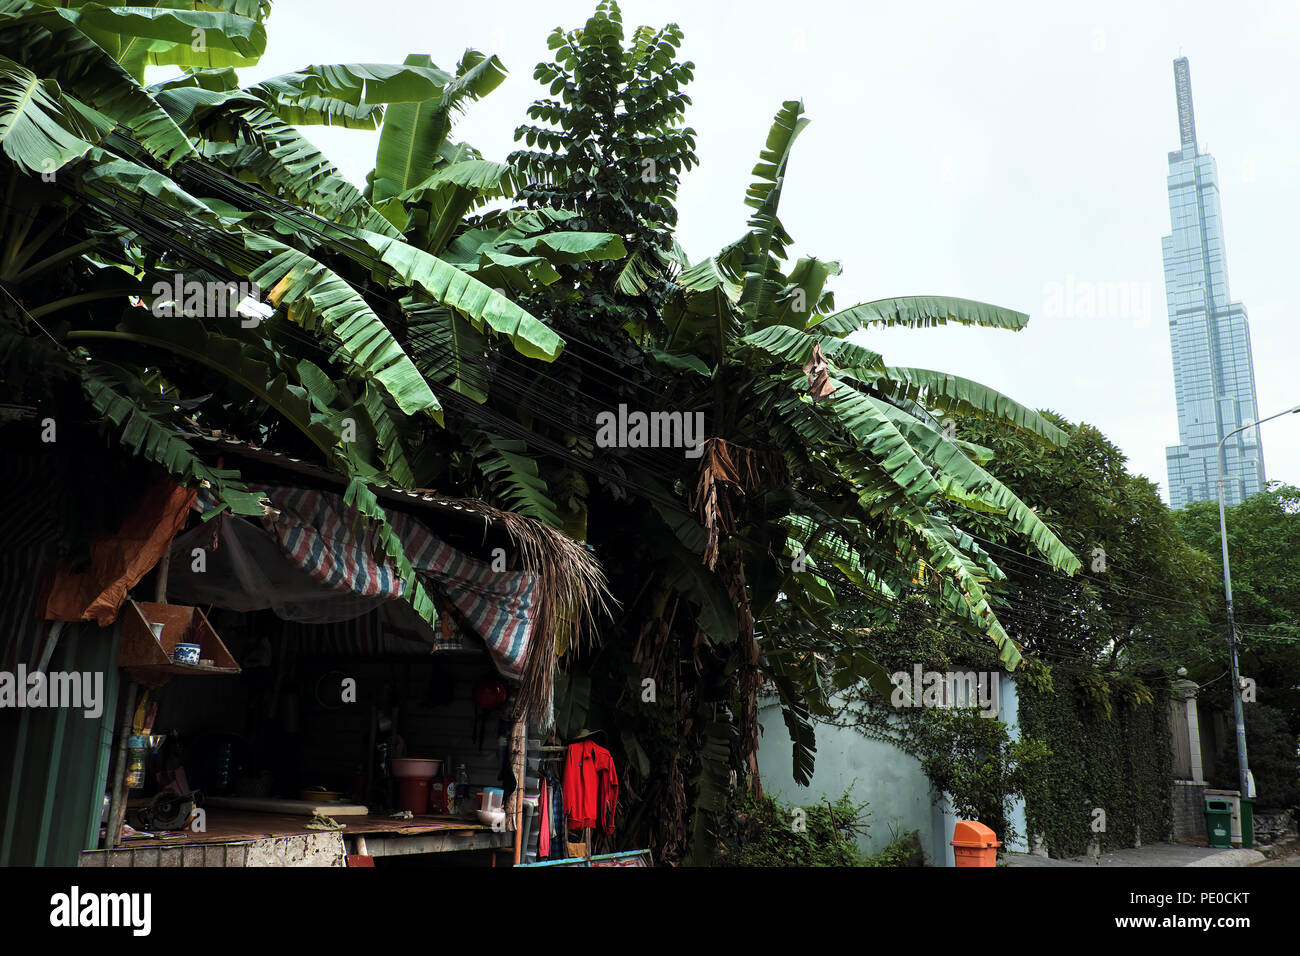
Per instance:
x=1243, y=772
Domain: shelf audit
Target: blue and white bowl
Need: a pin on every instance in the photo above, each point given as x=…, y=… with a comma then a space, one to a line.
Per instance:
x=186, y=654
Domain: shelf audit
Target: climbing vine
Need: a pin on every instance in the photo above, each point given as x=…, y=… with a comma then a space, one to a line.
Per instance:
x=963, y=752
x=1108, y=774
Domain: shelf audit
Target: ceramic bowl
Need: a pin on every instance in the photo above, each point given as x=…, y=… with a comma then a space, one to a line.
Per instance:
x=186, y=654
x=496, y=819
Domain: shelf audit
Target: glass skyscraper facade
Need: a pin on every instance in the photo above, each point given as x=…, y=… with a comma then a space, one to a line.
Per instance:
x=1214, y=375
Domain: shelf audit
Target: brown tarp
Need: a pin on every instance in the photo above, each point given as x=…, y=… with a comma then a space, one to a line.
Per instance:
x=118, y=561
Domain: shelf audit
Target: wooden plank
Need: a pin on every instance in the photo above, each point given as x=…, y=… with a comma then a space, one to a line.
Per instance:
x=305, y=808
x=386, y=845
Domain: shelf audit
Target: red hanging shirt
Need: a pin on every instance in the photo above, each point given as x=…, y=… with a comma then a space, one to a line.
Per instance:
x=590, y=787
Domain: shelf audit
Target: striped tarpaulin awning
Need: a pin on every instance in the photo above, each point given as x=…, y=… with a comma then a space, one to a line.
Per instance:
x=336, y=546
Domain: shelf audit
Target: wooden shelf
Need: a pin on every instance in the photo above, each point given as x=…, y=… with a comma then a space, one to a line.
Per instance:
x=147, y=658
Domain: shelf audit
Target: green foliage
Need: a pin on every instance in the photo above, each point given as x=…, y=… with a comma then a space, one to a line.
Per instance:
x=1107, y=749
x=903, y=850
x=611, y=143
x=1143, y=596
x=770, y=832
x=1263, y=540
x=963, y=753
x=1272, y=750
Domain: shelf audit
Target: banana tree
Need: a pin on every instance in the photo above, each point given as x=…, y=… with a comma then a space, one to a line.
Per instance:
x=119, y=192
x=829, y=468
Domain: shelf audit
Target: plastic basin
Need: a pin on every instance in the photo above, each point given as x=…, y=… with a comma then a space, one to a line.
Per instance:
x=415, y=768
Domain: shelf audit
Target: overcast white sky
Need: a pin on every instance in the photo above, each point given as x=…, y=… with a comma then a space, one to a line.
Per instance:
x=995, y=151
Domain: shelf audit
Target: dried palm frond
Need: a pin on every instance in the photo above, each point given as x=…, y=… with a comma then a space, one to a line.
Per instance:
x=725, y=464
x=572, y=598
x=713, y=508
x=572, y=595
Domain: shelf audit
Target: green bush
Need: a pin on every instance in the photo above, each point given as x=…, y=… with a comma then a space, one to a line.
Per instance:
x=770, y=832
x=903, y=850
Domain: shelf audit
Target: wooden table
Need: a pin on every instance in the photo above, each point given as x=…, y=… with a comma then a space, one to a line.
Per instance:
x=373, y=835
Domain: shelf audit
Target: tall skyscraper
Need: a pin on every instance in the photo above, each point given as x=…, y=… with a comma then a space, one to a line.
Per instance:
x=1214, y=375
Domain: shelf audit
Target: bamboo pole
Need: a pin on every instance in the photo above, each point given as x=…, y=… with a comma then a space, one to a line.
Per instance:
x=117, y=805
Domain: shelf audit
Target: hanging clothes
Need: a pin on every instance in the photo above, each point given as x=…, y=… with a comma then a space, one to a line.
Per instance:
x=544, y=825
x=557, y=816
x=590, y=786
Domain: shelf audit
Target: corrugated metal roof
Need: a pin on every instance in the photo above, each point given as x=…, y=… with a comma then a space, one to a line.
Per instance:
x=423, y=499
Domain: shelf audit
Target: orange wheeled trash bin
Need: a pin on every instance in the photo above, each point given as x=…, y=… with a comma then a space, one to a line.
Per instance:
x=974, y=844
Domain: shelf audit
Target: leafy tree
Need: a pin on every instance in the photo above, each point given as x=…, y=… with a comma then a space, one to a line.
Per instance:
x=1138, y=611
x=815, y=482
x=1263, y=535
x=1142, y=600
x=611, y=148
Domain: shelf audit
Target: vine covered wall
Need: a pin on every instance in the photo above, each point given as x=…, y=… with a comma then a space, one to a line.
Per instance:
x=1108, y=742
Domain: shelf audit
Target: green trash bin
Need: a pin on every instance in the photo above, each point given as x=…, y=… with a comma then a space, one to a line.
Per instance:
x=1218, y=823
x=1247, y=822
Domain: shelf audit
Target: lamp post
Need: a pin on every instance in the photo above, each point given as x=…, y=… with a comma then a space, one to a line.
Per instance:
x=1243, y=772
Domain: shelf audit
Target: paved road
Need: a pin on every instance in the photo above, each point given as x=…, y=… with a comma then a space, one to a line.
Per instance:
x=1292, y=860
x=1158, y=854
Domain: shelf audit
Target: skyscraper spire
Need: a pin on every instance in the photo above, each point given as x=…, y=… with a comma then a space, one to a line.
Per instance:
x=1214, y=375
x=1186, y=118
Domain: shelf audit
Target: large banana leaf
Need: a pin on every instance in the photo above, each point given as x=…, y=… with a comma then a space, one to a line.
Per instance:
x=415, y=131
x=358, y=83
x=405, y=265
x=158, y=442
x=140, y=36
x=948, y=458
x=315, y=296
x=803, y=294
x=703, y=318
x=921, y=312
x=357, y=495
x=41, y=129
x=188, y=338
x=327, y=111
x=437, y=206
x=83, y=69
x=250, y=140
x=796, y=347
x=768, y=239
x=954, y=394
x=515, y=476
x=447, y=349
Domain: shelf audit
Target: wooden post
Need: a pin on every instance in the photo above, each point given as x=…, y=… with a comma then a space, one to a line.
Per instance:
x=117, y=806
x=164, y=568
x=519, y=762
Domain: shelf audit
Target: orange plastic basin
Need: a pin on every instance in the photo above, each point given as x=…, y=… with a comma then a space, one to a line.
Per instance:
x=974, y=844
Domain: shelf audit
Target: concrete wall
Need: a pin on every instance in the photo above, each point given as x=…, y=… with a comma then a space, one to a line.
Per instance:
x=897, y=792
x=890, y=781
x=1189, y=811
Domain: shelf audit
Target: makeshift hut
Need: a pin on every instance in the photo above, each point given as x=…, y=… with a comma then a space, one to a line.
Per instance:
x=271, y=691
